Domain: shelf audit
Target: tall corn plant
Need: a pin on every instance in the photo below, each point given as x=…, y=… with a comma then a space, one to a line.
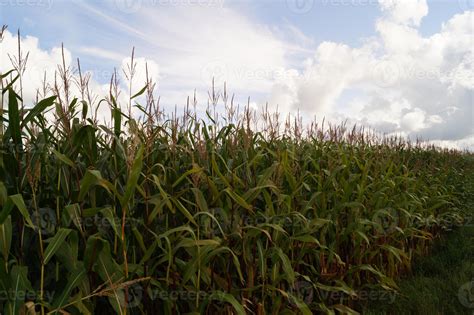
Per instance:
x=189, y=215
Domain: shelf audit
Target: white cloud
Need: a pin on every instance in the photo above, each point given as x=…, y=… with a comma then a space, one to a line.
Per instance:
x=42, y=66
x=140, y=71
x=404, y=82
x=193, y=43
x=39, y=63
x=101, y=53
x=414, y=120
x=407, y=12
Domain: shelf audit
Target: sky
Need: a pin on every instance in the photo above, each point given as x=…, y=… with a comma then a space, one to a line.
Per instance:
x=399, y=66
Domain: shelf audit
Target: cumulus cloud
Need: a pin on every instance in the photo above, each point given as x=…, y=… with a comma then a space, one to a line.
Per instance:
x=141, y=67
x=405, y=82
x=40, y=63
x=199, y=41
x=406, y=12
x=42, y=67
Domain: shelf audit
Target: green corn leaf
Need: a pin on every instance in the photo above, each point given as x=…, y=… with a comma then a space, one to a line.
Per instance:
x=20, y=204
x=63, y=158
x=286, y=264
x=134, y=176
x=226, y=297
x=117, y=116
x=91, y=179
x=194, y=170
x=6, y=237
x=3, y=194
x=183, y=210
x=192, y=243
x=6, y=74
x=300, y=305
x=238, y=199
x=74, y=213
x=139, y=92
x=74, y=280
x=200, y=200
x=6, y=210
x=20, y=285
x=110, y=216
x=38, y=109
x=343, y=309
x=14, y=118
x=94, y=246
x=54, y=244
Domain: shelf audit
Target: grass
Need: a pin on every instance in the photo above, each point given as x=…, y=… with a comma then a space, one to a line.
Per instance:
x=236, y=212
x=437, y=280
x=442, y=282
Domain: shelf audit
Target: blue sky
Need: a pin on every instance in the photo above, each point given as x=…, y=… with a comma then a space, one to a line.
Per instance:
x=400, y=66
x=338, y=22
x=66, y=21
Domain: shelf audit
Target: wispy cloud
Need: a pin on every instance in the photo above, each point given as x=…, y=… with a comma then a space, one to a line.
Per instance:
x=101, y=53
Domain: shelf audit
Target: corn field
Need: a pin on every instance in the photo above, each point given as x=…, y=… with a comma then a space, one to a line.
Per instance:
x=237, y=213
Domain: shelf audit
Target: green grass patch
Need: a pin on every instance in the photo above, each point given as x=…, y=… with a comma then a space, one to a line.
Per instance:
x=438, y=282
